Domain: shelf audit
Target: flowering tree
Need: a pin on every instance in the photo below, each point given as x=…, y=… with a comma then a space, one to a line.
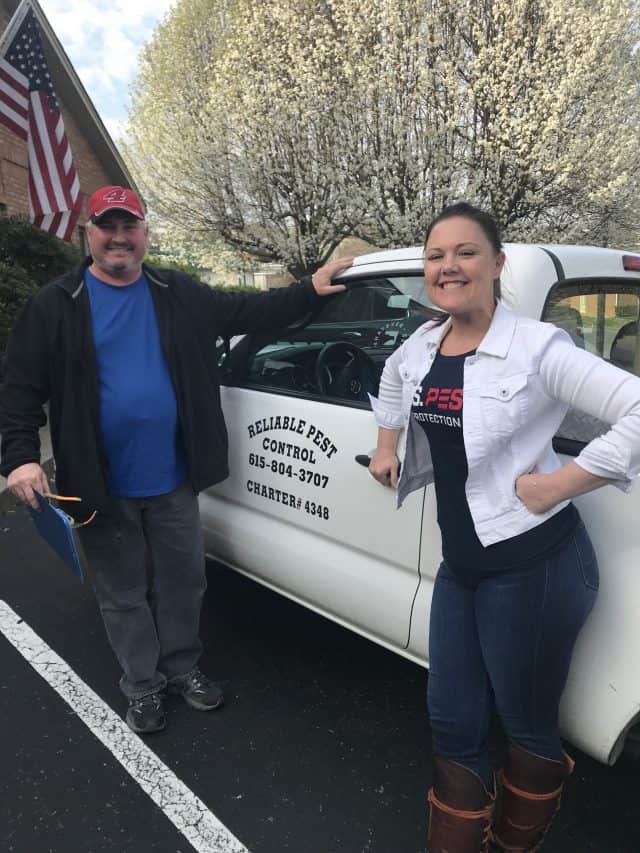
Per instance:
x=285, y=125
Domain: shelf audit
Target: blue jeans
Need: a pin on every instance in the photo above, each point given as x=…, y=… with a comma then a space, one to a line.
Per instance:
x=503, y=645
x=147, y=567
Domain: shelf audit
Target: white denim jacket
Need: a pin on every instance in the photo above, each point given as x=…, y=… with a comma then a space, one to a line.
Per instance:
x=517, y=389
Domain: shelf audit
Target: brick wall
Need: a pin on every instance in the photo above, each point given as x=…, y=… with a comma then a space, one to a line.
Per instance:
x=13, y=172
x=91, y=172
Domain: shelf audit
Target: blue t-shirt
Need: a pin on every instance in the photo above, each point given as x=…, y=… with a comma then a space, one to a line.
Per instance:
x=138, y=409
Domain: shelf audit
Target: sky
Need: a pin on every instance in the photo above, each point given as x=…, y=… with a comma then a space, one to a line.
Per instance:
x=103, y=47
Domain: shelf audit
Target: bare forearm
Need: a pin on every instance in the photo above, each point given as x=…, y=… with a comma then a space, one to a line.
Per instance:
x=572, y=480
x=387, y=440
x=384, y=465
x=541, y=492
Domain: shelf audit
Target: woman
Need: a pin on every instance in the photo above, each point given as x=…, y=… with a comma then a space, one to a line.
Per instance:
x=519, y=575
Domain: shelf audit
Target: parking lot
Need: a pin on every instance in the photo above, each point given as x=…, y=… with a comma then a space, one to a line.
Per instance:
x=323, y=746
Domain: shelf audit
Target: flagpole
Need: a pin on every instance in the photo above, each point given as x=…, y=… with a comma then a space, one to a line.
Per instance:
x=14, y=24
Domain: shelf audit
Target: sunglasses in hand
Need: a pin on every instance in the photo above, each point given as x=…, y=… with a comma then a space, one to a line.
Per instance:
x=73, y=523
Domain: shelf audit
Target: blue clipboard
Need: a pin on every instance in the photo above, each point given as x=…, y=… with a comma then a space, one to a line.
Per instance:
x=55, y=528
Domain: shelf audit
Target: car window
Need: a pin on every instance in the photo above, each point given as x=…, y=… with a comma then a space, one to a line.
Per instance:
x=601, y=317
x=339, y=355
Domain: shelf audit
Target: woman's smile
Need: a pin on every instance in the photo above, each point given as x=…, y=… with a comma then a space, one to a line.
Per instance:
x=451, y=285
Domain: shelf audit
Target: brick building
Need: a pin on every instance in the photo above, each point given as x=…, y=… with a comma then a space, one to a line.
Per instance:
x=96, y=158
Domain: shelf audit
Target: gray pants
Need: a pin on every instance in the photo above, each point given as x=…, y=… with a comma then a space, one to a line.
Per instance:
x=146, y=564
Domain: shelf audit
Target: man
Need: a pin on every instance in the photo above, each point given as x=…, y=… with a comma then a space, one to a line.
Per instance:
x=125, y=356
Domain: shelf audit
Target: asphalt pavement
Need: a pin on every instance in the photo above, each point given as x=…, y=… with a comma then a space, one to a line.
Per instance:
x=322, y=747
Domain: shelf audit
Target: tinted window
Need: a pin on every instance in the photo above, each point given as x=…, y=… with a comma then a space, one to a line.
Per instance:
x=601, y=317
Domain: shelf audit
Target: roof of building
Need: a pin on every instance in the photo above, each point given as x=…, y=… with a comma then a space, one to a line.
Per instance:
x=76, y=100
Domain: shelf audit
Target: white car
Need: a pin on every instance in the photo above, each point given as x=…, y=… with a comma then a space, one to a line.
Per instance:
x=301, y=514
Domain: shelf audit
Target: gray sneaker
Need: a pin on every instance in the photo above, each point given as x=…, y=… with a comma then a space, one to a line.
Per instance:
x=145, y=714
x=198, y=691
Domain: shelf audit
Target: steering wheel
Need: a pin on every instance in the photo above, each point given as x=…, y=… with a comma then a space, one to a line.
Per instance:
x=346, y=371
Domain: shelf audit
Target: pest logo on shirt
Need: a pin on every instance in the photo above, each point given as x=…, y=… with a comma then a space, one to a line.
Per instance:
x=444, y=398
x=436, y=405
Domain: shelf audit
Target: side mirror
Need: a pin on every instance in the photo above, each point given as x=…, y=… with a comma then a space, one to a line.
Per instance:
x=399, y=300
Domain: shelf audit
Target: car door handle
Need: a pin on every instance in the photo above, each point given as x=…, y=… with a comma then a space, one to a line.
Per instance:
x=365, y=459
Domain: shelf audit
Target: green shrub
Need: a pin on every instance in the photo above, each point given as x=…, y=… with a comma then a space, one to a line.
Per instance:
x=157, y=259
x=15, y=288
x=29, y=258
x=236, y=288
x=40, y=255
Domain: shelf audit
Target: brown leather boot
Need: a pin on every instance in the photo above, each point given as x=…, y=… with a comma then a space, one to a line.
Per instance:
x=531, y=792
x=461, y=810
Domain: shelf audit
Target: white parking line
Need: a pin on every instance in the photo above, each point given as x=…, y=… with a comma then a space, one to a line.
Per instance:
x=187, y=812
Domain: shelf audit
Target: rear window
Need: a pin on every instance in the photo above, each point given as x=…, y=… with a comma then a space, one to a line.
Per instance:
x=601, y=317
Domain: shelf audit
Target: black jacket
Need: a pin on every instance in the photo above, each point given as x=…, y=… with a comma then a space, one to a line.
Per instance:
x=50, y=356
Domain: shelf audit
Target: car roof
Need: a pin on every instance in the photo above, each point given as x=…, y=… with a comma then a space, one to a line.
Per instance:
x=575, y=260
x=530, y=270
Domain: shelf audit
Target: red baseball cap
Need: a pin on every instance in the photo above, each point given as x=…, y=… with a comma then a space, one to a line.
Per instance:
x=114, y=198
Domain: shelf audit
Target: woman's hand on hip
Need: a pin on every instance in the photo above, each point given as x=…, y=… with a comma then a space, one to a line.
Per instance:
x=541, y=492
x=384, y=467
x=534, y=492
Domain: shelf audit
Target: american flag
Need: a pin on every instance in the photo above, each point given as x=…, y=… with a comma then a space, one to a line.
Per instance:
x=28, y=107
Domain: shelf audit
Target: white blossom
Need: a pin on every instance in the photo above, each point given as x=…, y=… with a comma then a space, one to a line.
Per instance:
x=281, y=127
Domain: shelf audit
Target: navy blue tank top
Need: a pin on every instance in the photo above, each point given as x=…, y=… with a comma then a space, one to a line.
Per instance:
x=440, y=413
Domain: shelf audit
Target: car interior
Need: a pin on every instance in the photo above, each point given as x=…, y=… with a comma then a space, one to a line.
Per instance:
x=339, y=353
